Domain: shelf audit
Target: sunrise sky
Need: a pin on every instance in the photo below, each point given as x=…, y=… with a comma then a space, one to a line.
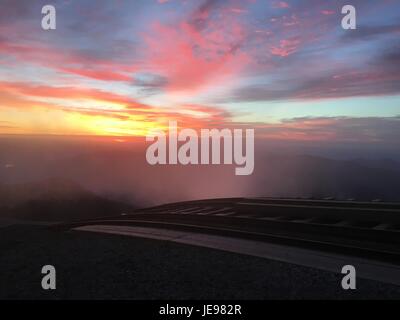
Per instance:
x=119, y=68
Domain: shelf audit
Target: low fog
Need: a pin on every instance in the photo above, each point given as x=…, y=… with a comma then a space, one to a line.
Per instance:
x=111, y=169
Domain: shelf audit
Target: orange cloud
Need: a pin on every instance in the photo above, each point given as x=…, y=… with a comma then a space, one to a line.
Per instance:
x=22, y=108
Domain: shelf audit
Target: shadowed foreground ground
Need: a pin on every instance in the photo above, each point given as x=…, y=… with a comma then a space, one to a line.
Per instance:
x=95, y=266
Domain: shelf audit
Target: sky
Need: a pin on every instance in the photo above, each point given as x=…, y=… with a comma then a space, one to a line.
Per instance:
x=120, y=68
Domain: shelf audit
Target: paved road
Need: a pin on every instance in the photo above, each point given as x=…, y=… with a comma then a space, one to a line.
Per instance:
x=368, y=269
x=322, y=234
x=266, y=249
x=339, y=224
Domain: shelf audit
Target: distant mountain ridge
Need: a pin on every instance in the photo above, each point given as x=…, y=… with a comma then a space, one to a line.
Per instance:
x=41, y=177
x=55, y=200
x=311, y=176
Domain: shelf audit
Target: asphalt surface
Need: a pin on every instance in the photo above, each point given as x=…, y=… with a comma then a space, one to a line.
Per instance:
x=100, y=266
x=367, y=230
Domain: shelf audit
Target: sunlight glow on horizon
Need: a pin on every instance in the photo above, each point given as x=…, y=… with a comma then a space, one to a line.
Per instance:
x=202, y=64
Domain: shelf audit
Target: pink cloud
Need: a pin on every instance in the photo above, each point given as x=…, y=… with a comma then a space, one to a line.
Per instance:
x=98, y=74
x=327, y=12
x=286, y=47
x=280, y=5
x=192, y=58
x=31, y=90
x=68, y=61
x=238, y=10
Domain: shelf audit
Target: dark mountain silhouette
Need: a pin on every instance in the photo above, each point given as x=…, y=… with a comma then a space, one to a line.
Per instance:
x=55, y=200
